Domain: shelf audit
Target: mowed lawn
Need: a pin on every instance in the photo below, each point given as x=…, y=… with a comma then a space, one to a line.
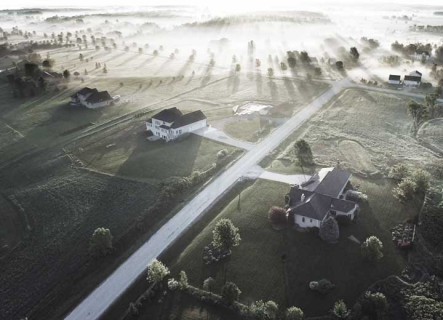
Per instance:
x=127, y=152
x=256, y=265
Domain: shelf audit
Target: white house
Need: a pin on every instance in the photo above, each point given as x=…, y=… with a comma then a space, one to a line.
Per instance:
x=169, y=124
x=394, y=79
x=79, y=97
x=413, y=79
x=321, y=196
x=98, y=100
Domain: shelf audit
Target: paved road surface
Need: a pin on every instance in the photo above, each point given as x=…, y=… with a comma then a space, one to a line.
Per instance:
x=94, y=305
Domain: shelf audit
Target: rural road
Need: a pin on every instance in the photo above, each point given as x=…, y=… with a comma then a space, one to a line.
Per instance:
x=97, y=302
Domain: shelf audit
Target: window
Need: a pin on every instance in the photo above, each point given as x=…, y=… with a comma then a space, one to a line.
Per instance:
x=303, y=219
x=311, y=220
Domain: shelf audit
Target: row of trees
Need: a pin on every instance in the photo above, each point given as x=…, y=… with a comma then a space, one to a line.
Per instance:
x=409, y=183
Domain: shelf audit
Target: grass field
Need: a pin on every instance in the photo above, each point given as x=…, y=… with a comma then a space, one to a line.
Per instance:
x=365, y=131
x=432, y=133
x=125, y=151
x=256, y=265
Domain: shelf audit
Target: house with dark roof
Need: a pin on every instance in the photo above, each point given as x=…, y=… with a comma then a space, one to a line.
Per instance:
x=91, y=98
x=413, y=79
x=322, y=196
x=394, y=79
x=98, y=99
x=169, y=124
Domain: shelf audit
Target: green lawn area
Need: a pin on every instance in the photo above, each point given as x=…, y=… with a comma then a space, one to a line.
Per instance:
x=126, y=152
x=256, y=265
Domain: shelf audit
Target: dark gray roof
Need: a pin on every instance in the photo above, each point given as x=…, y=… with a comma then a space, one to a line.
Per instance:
x=168, y=115
x=164, y=126
x=86, y=90
x=394, y=77
x=188, y=119
x=412, y=78
x=333, y=183
x=97, y=97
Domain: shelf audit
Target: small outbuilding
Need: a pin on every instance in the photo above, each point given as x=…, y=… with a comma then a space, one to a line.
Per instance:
x=394, y=79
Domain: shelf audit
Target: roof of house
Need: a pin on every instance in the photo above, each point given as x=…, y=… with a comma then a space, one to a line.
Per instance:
x=333, y=183
x=316, y=202
x=188, y=119
x=412, y=78
x=86, y=90
x=97, y=97
x=163, y=126
x=415, y=72
x=168, y=115
x=394, y=77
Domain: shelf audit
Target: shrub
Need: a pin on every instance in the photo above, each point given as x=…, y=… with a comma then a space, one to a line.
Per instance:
x=323, y=286
x=422, y=180
x=209, y=284
x=264, y=310
x=173, y=284
x=371, y=249
x=374, y=303
x=101, y=242
x=230, y=293
x=225, y=235
x=157, y=271
x=405, y=190
x=340, y=310
x=398, y=172
x=294, y=313
x=222, y=154
x=183, y=280
x=277, y=216
x=303, y=152
x=329, y=230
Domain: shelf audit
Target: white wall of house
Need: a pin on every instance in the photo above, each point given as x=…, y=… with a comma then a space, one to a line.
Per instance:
x=350, y=214
x=306, y=222
x=411, y=83
x=171, y=134
x=98, y=104
x=394, y=82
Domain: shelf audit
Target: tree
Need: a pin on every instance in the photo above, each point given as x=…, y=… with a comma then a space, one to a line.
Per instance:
x=237, y=67
x=264, y=310
x=354, y=53
x=398, y=172
x=270, y=72
x=225, y=235
x=157, y=271
x=422, y=180
x=292, y=61
x=183, y=280
x=48, y=63
x=418, y=113
x=66, y=74
x=374, y=304
x=340, y=310
x=209, y=284
x=304, y=57
x=329, y=230
x=283, y=66
x=339, y=65
x=101, y=242
x=371, y=249
x=431, y=107
x=277, y=216
x=303, y=152
x=80, y=57
x=294, y=313
x=405, y=190
x=230, y=293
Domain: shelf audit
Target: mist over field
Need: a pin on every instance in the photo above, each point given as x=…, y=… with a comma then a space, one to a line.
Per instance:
x=310, y=133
